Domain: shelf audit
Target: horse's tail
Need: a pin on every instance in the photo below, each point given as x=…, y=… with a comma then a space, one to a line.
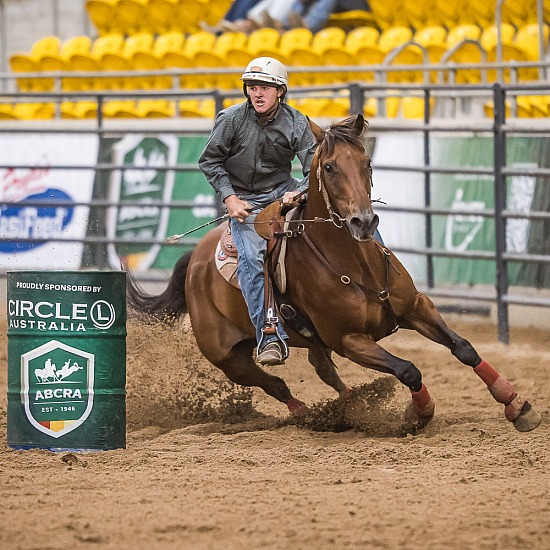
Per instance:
x=169, y=305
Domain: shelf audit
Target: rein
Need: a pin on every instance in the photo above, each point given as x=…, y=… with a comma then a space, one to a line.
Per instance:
x=382, y=295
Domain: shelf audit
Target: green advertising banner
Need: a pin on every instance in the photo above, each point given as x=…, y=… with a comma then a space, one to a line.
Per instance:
x=188, y=186
x=470, y=193
x=147, y=181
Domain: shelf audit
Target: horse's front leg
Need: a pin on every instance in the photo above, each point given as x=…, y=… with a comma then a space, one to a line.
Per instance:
x=364, y=351
x=325, y=368
x=426, y=320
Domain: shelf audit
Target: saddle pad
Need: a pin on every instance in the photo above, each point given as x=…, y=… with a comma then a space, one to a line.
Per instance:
x=227, y=266
x=226, y=259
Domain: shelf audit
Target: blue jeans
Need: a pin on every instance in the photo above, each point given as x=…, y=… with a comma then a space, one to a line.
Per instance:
x=252, y=249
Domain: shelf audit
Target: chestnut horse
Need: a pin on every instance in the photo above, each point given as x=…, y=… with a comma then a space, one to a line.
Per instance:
x=352, y=291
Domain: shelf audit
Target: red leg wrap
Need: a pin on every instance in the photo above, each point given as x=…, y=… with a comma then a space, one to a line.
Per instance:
x=294, y=405
x=487, y=373
x=500, y=388
x=423, y=404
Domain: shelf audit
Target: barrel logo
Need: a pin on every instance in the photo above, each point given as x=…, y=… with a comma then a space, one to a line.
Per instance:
x=57, y=387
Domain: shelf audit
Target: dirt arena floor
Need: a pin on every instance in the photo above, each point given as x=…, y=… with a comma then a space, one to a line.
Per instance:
x=209, y=465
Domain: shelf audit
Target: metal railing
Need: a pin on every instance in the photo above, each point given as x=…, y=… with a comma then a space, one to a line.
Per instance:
x=498, y=127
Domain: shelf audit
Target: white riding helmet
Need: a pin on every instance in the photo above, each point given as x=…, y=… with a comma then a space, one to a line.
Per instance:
x=266, y=69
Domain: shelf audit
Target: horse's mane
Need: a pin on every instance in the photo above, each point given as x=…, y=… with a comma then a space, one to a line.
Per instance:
x=342, y=131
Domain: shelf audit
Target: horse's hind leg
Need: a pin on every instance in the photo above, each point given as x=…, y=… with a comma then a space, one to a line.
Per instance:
x=325, y=368
x=427, y=321
x=240, y=368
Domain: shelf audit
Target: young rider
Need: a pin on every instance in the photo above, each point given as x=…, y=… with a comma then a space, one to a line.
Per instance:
x=247, y=160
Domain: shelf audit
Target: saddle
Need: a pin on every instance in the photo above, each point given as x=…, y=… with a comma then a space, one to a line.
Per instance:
x=272, y=224
x=271, y=229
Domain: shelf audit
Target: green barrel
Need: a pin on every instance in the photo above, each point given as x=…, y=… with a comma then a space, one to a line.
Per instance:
x=66, y=360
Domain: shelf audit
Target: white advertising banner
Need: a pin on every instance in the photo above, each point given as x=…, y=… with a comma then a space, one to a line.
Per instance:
x=401, y=189
x=43, y=184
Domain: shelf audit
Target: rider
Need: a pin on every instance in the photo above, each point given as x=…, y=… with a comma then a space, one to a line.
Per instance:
x=247, y=160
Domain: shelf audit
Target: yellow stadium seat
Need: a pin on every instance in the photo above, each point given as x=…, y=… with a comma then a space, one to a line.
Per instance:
x=189, y=13
x=92, y=61
x=527, y=38
x=291, y=40
x=294, y=39
x=356, y=39
x=229, y=101
x=29, y=111
x=102, y=14
x=539, y=105
x=154, y=59
x=412, y=13
x=488, y=41
x=259, y=40
x=391, y=105
x=375, y=53
x=333, y=37
x=370, y=108
x=413, y=107
x=120, y=108
x=264, y=42
x=329, y=46
x=156, y=108
x=383, y=12
x=76, y=45
x=216, y=10
x=78, y=109
x=19, y=62
x=123, y=60
x=218, y=57
x=489, y=36
x=338, y=107
x=433, y=38
x=131, y=15
x=161, y=15
x=185, y=58
x=514, y=12
x=523, y=108
x=349, y=20
x=443, y=12
x=202, y=108
x=464, y=47
x=478, y=11
x=312, y=107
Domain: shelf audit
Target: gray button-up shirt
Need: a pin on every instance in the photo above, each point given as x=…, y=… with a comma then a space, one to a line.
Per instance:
x=243, y=157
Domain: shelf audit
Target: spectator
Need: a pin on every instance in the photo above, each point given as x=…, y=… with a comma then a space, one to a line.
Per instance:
x=313, y=14
x=248, y=15
x=235, y=15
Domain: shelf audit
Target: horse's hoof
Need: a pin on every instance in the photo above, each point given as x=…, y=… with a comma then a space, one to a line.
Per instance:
x=345, y=392
x=296, y=406
x=418, y=418
x=528, y=419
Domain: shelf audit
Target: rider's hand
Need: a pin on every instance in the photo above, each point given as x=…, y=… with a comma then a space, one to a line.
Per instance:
x=236, y=208
x=288, y=197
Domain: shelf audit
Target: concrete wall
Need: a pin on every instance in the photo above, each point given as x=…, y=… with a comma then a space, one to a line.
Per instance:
x=22, y=22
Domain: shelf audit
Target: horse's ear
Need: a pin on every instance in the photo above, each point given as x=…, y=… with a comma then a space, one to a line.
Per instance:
x=318, y=132
x=360, y=124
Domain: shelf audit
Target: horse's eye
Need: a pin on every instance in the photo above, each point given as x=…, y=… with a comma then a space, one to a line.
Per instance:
x=328, y=168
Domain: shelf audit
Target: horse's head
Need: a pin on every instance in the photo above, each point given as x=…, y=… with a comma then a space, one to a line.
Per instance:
x=341, y=172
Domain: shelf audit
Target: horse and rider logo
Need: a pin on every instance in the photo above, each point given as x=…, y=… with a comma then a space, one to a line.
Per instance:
x=57, y=383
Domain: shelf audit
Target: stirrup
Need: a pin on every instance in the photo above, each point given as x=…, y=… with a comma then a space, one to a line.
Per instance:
x=271, y=328
x=271, y=355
